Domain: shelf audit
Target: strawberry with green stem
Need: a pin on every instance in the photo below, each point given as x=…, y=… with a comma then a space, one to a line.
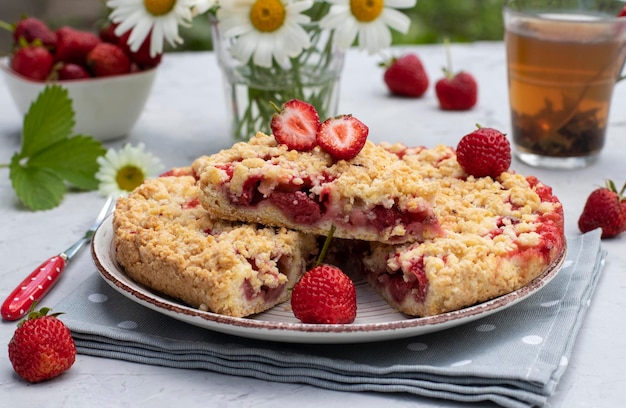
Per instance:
x=324, y=294
x=42, y=346
x=456, y=91
x=32, y=61
x=605, y=208
x=31, y=29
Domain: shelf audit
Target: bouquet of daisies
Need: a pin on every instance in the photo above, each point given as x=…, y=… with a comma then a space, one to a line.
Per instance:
x=270, y=50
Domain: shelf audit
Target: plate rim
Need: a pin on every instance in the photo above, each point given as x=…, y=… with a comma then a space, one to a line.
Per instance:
x=303, y=332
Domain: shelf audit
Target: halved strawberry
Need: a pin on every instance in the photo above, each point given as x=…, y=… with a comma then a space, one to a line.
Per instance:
x=342, y=137
x=296, y=125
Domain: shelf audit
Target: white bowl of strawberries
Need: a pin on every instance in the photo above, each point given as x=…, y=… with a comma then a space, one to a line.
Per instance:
x=108, y=84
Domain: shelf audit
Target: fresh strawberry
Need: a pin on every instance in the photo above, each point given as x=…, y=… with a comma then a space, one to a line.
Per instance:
x=107, y=34
x=623, y=12
x=107, y=60
x=142, y=56
x=33, y=62
x=296, y=125
x=484, y=152
x=406, y=76
x=457, y=92
x=31, y=29
x=42, y=347
x=342, y=137
x=73, y=45
x=72, y=71
x=324, y=295
x=605, y=208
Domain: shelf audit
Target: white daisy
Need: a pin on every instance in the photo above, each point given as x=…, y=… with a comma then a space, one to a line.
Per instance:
x=265, y=29
x=203, y=6
x=122, y=171
x=367, y=20
x=159, y=17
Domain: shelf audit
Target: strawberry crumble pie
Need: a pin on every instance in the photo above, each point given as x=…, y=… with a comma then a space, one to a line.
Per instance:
x=233, y=232
x=372, y=197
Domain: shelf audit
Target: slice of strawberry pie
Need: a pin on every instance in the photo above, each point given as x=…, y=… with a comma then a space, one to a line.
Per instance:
x=373, y=196
x=166, y=241
x=499, y=234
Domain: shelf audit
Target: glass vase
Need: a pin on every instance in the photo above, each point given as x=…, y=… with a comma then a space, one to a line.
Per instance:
x=250, y=90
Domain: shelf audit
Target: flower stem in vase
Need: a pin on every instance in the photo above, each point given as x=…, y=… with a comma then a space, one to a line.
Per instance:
x=312, y=76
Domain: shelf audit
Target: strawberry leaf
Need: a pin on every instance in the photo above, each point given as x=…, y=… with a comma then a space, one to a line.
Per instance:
x=37, y=188
x=49, y=120
x=49, y=157
x=80, y=170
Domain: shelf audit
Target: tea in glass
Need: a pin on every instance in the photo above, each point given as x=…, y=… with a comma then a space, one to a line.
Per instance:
x=563, y=63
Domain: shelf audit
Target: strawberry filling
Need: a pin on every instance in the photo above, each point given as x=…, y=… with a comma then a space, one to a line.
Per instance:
x=411, y=281
x=300, y=205
x=191, y=204
x=270, y=294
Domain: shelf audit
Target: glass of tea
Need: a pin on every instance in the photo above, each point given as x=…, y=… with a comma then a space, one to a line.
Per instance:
x=564, y=58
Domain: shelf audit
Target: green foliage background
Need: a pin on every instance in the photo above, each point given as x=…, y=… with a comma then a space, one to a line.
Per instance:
x=432, y=21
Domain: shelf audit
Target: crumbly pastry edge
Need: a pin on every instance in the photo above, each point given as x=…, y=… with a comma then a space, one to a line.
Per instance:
x=205, y=271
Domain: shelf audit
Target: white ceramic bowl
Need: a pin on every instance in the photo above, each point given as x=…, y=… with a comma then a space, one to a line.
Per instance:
x=105, y=108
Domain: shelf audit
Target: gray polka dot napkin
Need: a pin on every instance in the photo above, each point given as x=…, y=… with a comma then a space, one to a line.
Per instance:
x=513, y=358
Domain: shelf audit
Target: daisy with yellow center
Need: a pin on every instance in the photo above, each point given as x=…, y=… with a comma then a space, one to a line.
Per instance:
x=265, y=30
x=366, y=20
x=158, y=18
x=122, y=171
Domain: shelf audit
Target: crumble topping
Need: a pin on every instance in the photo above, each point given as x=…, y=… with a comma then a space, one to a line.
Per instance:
x=243, y=181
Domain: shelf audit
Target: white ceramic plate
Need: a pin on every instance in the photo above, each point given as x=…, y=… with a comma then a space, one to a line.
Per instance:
x=375, y=319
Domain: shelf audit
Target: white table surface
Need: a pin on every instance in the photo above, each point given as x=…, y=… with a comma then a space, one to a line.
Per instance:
x=184, y=118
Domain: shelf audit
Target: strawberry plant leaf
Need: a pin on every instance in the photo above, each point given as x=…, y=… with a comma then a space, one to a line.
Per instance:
x=37, y=188
x=49, y=120
x=50, y=158
x=81, y=169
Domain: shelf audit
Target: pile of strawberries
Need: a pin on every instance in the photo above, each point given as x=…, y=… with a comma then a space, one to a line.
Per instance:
x=41, y=54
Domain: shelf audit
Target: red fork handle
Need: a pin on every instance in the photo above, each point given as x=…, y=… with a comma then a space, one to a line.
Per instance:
x=33, y=288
